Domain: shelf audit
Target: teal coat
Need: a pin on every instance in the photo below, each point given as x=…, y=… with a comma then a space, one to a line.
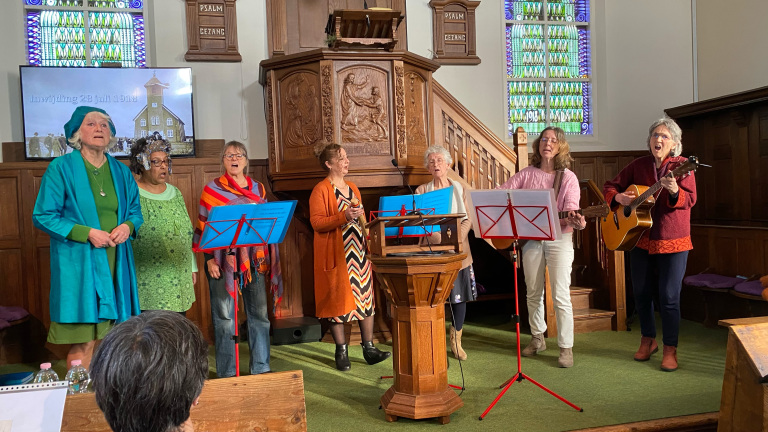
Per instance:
x=82, y=288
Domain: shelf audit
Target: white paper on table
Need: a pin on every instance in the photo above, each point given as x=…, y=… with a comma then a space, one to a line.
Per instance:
x=534, y=212
x=32, y=407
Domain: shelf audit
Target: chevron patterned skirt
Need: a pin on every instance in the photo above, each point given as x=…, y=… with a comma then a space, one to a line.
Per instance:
x=358, y=267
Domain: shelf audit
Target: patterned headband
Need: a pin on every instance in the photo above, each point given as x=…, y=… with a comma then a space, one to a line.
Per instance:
x=155, y=143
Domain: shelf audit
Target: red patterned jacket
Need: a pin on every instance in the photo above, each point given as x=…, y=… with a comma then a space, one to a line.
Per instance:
x=671, y=230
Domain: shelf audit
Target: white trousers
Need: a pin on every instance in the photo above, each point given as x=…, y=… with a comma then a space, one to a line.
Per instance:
x=557, y=256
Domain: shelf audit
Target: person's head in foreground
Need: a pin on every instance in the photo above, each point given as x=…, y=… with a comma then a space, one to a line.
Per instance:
x=149, y=371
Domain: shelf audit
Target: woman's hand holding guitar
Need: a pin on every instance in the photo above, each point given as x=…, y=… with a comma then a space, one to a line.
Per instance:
x=625, y=198
x=670, y=184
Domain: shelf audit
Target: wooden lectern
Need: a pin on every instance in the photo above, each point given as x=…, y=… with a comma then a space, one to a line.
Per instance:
x=417, y=283
x=359, y=28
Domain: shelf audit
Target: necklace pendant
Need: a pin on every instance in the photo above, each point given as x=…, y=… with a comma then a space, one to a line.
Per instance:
x=102, y=193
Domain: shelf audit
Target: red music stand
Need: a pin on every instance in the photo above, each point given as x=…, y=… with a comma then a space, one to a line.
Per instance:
x=533, y=219
x=225, y=230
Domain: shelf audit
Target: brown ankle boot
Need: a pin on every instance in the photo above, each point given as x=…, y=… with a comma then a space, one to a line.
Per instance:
x=648, y=346
x=534, y=347
x=455, y=341
x=669, y=360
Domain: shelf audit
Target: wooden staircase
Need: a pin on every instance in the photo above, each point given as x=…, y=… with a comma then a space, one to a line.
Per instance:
x=484, y=161
x=587, y=318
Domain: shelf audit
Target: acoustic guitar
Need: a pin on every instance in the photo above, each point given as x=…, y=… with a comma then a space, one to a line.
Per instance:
x=596, y=211
x=623, y=227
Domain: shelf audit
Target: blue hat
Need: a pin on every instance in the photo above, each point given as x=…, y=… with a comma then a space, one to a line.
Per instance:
x=77, y=119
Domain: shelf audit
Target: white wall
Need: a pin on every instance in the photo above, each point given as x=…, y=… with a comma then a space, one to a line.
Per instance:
x=731, y=38
x=643, y=64
x=227, y=96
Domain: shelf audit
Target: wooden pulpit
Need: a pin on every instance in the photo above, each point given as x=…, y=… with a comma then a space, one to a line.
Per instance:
x=417, y=282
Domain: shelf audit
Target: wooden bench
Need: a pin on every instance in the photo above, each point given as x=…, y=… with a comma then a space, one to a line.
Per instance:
x=273, y=401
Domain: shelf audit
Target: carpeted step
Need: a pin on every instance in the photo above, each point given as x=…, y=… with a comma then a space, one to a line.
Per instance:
x=590, y=320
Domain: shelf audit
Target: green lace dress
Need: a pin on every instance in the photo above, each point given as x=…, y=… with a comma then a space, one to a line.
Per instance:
x=163, y=252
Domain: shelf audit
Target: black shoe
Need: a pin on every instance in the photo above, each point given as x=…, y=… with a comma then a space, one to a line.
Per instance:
x=373, y=355
x=342, y=358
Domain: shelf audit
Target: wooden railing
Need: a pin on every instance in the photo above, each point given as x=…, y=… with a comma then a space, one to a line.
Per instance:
x=480, y=157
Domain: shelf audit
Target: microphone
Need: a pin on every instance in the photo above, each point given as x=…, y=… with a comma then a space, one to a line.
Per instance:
x=413, y=194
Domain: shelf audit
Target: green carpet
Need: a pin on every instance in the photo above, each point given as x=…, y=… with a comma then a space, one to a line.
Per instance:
x=605, y=381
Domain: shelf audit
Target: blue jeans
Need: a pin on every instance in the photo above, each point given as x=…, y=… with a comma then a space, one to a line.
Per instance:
x=663, y=272
x=255, y=299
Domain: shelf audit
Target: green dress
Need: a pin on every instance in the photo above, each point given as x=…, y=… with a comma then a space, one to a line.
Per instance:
x=163, y=253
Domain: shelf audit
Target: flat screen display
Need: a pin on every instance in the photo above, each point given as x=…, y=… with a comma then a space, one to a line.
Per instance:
x=140, y=101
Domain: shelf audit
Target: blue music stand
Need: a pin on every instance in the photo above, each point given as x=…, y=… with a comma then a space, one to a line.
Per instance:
x=245, y=225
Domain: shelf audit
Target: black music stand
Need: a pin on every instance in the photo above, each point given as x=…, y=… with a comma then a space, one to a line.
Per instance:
x=533, y=217
x=244, y=225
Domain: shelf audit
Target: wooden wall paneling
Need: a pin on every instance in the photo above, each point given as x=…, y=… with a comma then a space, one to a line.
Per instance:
x=758, y=166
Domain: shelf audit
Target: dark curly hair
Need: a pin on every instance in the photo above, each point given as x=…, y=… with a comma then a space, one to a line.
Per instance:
x=139, y=147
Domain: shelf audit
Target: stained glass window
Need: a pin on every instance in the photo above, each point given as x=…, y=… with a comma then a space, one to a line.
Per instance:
x=85, y=32
x=549, y=66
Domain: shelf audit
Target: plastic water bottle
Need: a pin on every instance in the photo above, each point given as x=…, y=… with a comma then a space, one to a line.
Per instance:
x=78, y=378
x=46, y=374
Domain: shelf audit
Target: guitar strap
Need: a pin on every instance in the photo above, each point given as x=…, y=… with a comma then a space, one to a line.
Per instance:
x=558, y=182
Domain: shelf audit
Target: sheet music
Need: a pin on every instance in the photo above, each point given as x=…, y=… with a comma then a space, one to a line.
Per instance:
x=32, y=407
x=434, y=202
x=533, y=216
x=265, y=223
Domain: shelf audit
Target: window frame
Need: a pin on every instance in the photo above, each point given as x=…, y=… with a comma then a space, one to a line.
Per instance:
x=142, y=10
x=506, y=80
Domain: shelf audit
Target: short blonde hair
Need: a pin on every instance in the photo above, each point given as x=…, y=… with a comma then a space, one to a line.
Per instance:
x=77, y=144
x=237, y=145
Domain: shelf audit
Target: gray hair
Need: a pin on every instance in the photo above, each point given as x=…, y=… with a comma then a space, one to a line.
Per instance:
x=77, y=144
x=240, y=146
x=442, y=151
x=674, y=130
x=148, y=371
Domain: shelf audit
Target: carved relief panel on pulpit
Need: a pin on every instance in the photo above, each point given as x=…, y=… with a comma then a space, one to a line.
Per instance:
x=363, y=116
x=301, y=122
x=416, y=114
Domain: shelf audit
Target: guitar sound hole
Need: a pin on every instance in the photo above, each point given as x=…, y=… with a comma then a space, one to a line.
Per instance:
x=627, y=211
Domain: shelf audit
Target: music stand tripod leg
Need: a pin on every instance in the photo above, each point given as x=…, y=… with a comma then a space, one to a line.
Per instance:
x=520, y=376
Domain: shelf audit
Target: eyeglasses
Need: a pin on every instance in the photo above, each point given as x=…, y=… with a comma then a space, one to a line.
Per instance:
x=234, y=156
x=437, y=161
x=159, y=163
x=665, y=137
x=549, y=140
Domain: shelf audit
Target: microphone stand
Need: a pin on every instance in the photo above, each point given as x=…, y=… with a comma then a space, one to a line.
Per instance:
x=414, y=211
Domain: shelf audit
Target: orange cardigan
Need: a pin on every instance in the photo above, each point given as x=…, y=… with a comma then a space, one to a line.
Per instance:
x=333, y=292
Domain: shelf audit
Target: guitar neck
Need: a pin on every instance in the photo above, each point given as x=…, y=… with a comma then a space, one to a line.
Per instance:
x=682, y=169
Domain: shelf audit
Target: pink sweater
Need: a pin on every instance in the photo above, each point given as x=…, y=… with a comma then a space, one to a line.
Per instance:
x=531, y=177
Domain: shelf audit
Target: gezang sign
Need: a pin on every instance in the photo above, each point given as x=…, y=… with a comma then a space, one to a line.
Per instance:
x=212, y=31
x=454, y=32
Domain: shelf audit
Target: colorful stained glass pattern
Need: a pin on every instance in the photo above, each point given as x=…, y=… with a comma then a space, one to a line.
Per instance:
x=58, y=41
x=526, y=106
x=553, y=47
x=60, y=38
x=523, y=10
x=569, y=108
x=525, y=51
x=112, y=38
x=118, y=4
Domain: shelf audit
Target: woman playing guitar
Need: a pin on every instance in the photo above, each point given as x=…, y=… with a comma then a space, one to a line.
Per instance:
x=551, y=154
x=661, y=253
